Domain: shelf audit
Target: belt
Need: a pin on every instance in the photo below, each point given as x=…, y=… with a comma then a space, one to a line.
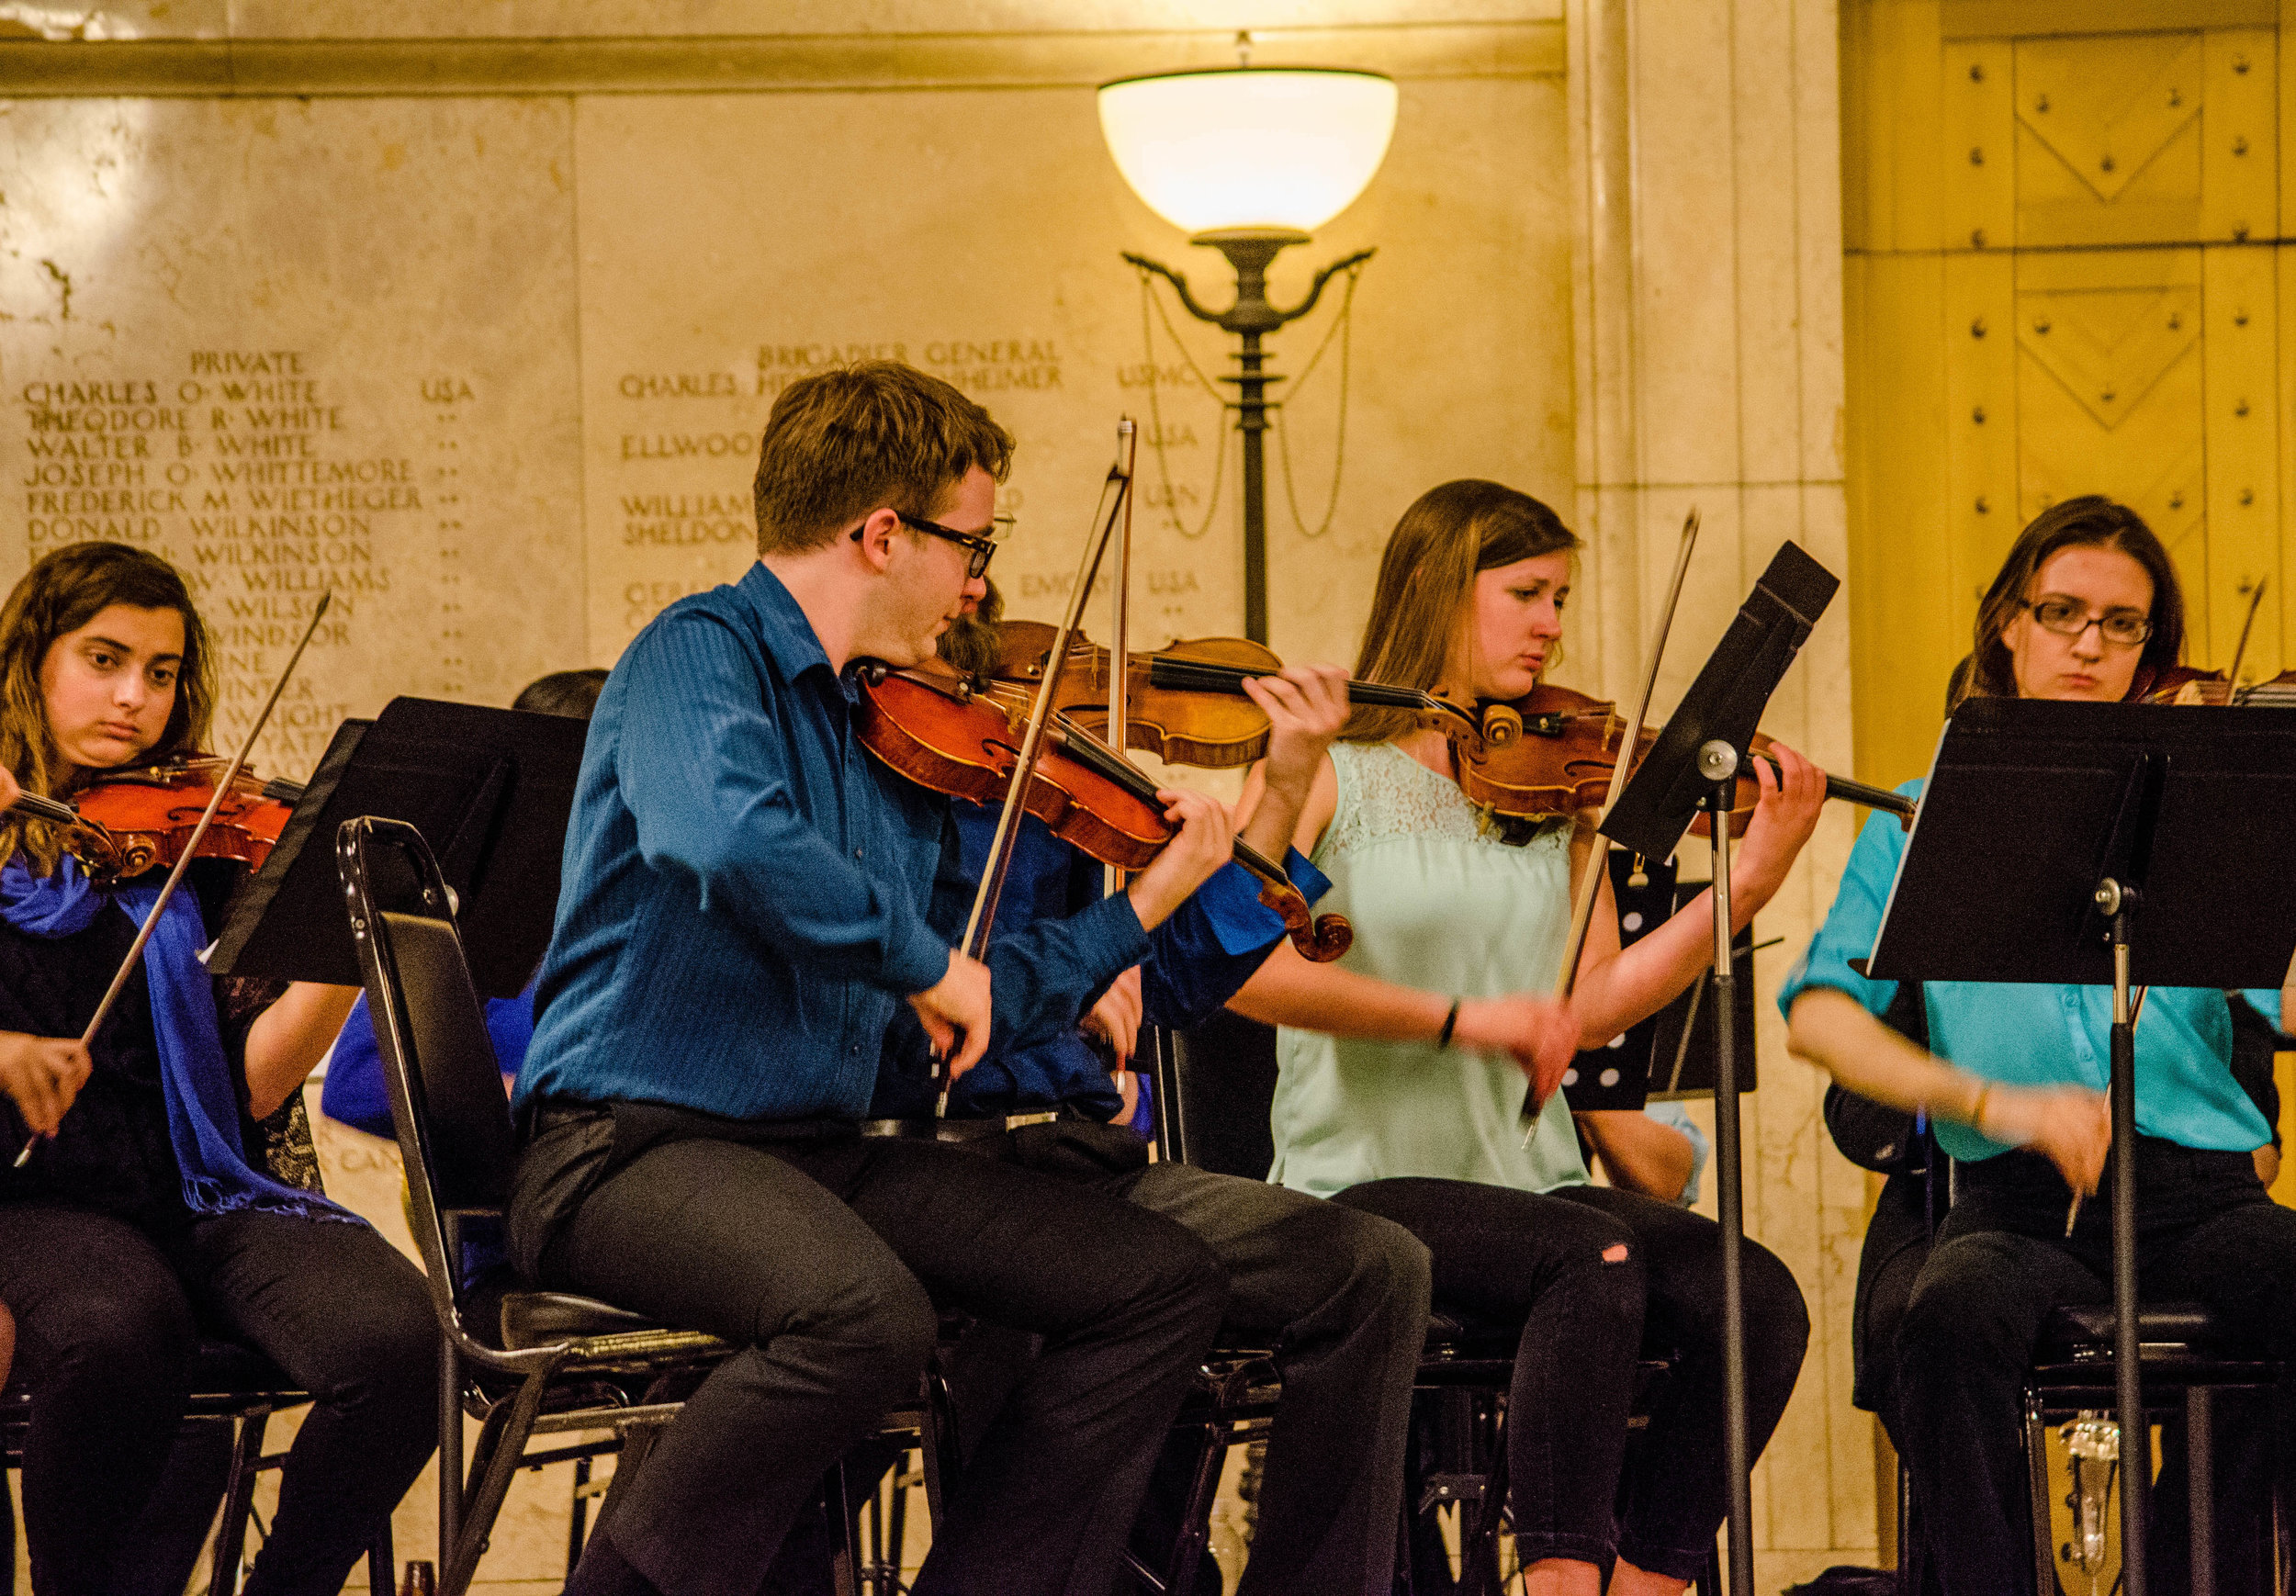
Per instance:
x=956, y=1129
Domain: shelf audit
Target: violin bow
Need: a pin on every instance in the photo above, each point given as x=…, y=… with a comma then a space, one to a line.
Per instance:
x=2240, y=649
x=1597, y=865
x=1120, y=631
x=191, y=847
x=992, y=887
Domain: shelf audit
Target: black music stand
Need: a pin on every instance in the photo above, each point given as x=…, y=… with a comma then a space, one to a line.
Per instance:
x=1692, y=765
x=2050, y=836
x=489, y=788
x=1670, y=1055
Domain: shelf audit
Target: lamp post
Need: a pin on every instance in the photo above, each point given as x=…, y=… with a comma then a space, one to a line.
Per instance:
x=1249, y=160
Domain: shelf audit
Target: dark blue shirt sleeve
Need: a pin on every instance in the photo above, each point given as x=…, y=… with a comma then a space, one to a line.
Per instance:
x=708, y=788
x=1202, y=955
x=353, y=1092
x=1042, y=975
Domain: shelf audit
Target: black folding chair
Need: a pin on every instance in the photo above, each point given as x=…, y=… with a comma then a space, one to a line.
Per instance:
x=232, y=1385
x=523, y=1362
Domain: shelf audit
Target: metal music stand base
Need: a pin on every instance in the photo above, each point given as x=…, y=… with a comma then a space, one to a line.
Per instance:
x=1717, y=762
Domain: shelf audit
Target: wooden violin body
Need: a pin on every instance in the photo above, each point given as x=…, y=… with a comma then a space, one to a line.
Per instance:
x=1210, y=730
x=941, y=737
x=1558, y=757
x=936, y=730
x=127, y=822
x=1561, y=761
x=1184, y=703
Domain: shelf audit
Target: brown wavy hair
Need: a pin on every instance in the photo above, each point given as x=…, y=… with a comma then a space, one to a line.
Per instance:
x=1449, y=535
x=2092, y=521
x=59, y=595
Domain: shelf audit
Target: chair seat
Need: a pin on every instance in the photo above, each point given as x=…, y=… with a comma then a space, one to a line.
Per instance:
x=531, y=1319
x=2082, y=1333
x=218, y=1368
x=1448, y=1325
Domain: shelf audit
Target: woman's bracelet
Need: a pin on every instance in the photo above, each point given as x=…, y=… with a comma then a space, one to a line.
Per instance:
x=1450, y=1020
x=1977, y=1107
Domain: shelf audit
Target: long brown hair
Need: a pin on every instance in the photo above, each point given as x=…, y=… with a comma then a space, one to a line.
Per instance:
x=2092, y=521
x=61, y=594
x=1427, y=575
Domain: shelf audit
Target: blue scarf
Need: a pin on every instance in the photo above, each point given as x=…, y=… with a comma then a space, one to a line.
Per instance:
x=195, y=1078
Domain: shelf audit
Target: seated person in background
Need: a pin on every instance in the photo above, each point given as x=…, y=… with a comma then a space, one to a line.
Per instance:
x=2085, y=608
x=146, y=1215
x=1342, y=1295
x=353, y=1092
x=1656, y=1150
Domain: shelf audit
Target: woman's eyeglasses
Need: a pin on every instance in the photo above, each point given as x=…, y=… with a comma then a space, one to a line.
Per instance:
x=2070, y=618
x=979, y=547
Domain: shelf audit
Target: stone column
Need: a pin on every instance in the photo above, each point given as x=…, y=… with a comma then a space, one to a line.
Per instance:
x=1705, y=165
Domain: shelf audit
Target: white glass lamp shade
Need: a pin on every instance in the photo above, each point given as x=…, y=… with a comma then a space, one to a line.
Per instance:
x=1249, y=147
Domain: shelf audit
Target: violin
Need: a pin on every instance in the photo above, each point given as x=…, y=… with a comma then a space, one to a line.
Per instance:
x=1559, y=755
x=139, y=818
x=938, y=731
x=1183, y=704
x=1550, y=753
x=2187, y=684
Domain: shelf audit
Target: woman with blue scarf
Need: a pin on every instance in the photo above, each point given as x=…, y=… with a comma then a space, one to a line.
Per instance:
x=153, y=1213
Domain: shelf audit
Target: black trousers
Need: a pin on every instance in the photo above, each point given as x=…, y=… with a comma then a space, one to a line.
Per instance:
x=1340, y=1296
x=108, y=1317
x=2206, y=1232
x=822, y=1261
x=1597, y=1277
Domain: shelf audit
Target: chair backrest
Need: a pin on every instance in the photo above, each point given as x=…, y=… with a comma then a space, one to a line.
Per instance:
x=446, y=1087
x=1215, y=1083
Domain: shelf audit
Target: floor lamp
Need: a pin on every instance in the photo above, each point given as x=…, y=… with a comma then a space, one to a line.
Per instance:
x=1248, y=161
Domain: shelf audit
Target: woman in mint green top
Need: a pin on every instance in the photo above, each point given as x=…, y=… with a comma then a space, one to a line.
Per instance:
x=2086, y=606
x=1403, y=1065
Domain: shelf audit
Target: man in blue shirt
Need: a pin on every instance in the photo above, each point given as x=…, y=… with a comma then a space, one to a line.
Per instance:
x=2013, y=1077
x=753, y=912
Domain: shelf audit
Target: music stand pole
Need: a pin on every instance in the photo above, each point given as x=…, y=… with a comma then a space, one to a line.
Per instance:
x=2119, y=902
x=1718, y=763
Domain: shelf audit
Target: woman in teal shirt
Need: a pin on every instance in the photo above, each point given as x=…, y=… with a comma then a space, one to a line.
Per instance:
x=1401, y=1066
x=2086, y=606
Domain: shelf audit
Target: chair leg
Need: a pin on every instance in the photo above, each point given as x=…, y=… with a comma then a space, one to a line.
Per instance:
x=482, y=1450
x=2036, y=1431
x=937, y=1439
x=461, y=1564
x=239, y=1501
x=449, y=1443
x=1195, y=1532
x=382, y=1558
x=578, y=1516
x=637, y=1441
x=2200, y=1448
x=844, y=1554
x=1479, y=1527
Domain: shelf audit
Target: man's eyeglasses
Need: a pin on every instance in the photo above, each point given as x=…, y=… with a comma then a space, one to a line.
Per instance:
x=2069, y=618
x=979, y=547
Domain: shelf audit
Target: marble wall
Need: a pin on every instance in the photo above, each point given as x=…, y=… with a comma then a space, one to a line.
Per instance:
x=472, y=312
x=492, y=367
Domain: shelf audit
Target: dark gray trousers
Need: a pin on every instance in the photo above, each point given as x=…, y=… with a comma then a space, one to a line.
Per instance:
x=822, y=1261
x=1342, y=1296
